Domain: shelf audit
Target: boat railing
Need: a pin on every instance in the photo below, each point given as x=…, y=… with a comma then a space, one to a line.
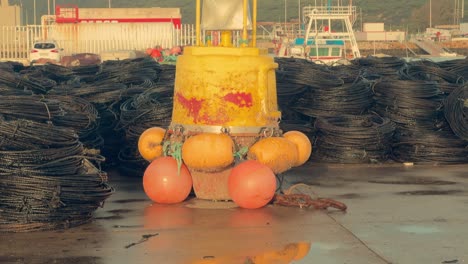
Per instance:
x=288, y=30
x=314, y=11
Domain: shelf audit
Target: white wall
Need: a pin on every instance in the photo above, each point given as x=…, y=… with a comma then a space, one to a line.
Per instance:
x=94, y=37
x=373, y=27
x=381, y=36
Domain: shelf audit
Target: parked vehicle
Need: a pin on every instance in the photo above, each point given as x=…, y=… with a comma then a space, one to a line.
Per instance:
x=45, y=51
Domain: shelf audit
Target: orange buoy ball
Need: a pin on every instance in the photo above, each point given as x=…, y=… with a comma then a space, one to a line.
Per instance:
x=208, y=151
x=304, y=147
x=251, y=184
x=150, y=143
x=278, y=153
x=164, y=184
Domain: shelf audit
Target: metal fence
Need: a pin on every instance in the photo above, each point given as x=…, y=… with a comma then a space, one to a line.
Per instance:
x=16, y=41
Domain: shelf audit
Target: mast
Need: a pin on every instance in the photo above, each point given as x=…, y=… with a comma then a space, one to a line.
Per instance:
x=430, y=13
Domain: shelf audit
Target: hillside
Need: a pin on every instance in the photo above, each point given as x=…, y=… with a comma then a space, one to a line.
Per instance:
x=397, y=14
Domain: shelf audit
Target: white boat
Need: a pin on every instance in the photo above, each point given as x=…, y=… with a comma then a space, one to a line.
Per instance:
x=325, y=51
x=326, y=34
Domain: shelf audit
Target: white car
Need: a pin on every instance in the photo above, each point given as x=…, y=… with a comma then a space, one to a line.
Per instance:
x=45, y=51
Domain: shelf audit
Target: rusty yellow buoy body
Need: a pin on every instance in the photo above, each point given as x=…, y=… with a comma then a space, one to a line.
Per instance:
x=225, y=87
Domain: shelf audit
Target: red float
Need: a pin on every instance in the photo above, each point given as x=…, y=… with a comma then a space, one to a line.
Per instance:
x=251, y=184
x=164, y=184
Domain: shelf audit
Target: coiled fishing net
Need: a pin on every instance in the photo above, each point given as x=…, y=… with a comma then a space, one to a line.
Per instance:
x=429, y=147
x=65, y=111
x=410, y=103
x=353, y=139
x=11, y=66
x=15, y=81
x=107, y=87
x=428, y=71
x=420, y=97
x=459, y=66
x=129, y=71
x=153, y=108
x=416, y=104
x=376, y=68
x=46, y=180
x=348, y=98
x=289, y=91
x=303, y=72
x=167, y=74
x=86, y=73
x=456, y=111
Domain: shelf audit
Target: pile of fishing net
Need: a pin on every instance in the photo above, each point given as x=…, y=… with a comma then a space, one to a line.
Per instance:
x=415, y=103
x=373, y=68
x=46, y=179
x=12, y=83
x=349, y=98
x=64, y=111
x=50, y=175
x=107, y=87
x=456, y=111
x=152, y=108
x=425, y=101
x=354, y=139
x=307, y=91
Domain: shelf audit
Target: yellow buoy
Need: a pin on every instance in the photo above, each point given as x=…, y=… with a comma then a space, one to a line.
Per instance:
x=225, y=86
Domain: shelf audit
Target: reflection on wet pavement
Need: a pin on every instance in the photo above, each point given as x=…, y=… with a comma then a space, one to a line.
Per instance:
x=288, y=254
x=390, y=210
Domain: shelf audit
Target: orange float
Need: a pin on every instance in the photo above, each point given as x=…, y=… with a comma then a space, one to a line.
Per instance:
x=150, y=143
x=208, y=151
x=302, y=142
x=251, y=184
x=278, y=153
x=165, y=182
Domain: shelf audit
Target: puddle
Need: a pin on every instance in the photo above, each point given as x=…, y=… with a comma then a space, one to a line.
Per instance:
x=431, y=192
x=204, y=204
x=144, y=238
x=111, y=217
x=420, y=230
x=117, y=214
x=349, y=196
x=413, y=181
x=453, y=261
x=125, y=201
x=75, y=260
x=128, y=226
x=46, y=260
x=120, y=211
x=324, y=183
